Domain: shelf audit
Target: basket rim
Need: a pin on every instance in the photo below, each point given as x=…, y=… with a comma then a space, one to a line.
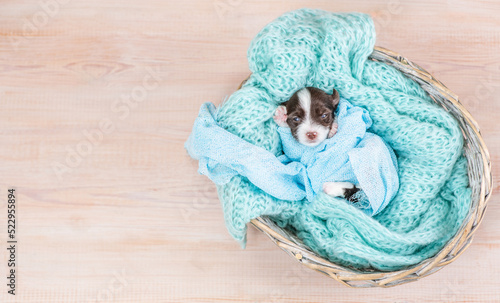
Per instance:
x=456, y=246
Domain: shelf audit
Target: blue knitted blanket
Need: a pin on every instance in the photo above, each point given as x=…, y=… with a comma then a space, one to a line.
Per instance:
x=330, y=50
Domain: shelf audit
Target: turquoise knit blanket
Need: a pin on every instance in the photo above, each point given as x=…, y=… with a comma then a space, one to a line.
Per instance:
x=329, y=50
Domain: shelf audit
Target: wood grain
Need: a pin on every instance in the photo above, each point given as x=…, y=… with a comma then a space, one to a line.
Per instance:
x=110, y=207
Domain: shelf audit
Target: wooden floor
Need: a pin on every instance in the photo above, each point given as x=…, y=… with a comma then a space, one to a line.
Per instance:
x=96, y=101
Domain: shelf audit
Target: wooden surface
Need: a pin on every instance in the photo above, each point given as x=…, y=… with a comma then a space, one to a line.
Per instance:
x=96, y=101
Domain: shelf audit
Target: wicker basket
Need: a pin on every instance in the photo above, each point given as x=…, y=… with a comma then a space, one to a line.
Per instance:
x=479, y=178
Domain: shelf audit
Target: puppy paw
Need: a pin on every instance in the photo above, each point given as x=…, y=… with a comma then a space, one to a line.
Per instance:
x=280, y=116
x=333, y=130
x=340, y=189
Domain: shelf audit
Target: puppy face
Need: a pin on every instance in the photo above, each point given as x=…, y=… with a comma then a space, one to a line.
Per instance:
x=311, y=114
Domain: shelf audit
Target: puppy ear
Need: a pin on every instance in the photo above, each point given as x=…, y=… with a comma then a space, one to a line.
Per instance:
x=282, y=109
x=280, y=116
x=335, y=98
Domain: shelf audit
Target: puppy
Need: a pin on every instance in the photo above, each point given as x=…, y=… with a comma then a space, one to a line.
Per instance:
x=310, y=115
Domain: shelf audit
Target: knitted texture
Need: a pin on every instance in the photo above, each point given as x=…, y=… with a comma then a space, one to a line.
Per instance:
x=326, y=50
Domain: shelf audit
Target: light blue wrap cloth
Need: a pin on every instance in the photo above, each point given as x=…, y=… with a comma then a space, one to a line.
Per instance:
x=352, y=155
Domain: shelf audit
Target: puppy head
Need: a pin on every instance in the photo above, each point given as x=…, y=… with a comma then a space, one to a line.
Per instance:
x=310, y=114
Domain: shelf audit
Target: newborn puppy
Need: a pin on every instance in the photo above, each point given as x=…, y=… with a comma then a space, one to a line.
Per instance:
x=310, y=115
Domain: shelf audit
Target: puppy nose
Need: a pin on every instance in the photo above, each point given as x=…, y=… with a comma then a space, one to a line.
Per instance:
x=311, y=135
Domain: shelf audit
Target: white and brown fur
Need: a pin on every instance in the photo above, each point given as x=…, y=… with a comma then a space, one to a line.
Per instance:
x=310, y=115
